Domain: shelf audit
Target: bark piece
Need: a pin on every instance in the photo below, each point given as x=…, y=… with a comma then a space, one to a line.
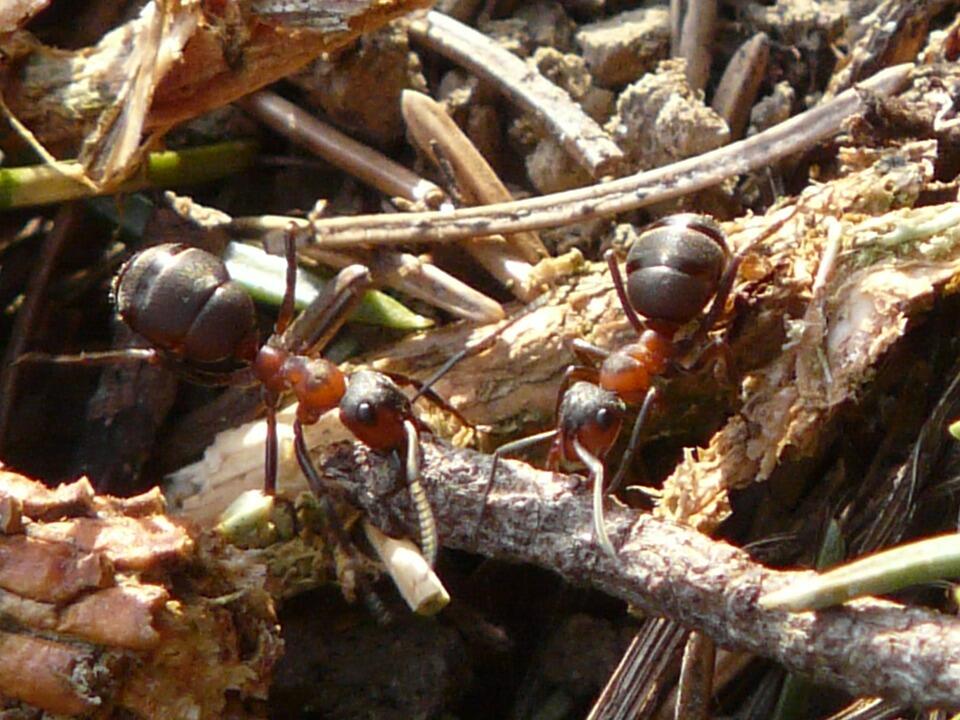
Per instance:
x=120, y=616
x=39, y=502
x=50, y=571
x=130, y=543
x=235, y=48
x=196, y=640
x=52, y=676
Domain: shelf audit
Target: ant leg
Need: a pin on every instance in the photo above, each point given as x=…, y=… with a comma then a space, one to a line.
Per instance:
x=510, y=447
x=611, y=257
x=270, y=447
x=587, y=353
x=596, y=475
x=285, y=315
x=315, y=327
x=485, y=343
x=337, y=533
x=720, y=299
x=628, y=454
x=429, y=541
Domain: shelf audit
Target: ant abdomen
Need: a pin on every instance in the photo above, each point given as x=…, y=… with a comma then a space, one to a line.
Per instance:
x=674, y=267
x=182, y=300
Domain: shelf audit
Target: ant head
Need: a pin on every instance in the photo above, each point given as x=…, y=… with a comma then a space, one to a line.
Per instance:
x=374, y=409
x=591, y=414
x=674, y=267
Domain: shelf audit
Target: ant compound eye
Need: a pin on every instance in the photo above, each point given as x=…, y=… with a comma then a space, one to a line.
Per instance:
x=366, y=413
x=605, y=418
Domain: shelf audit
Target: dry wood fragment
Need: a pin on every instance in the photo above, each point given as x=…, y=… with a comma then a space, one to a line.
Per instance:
x=575, y=130
x=120, y=616
x=50, y=572
x=16, y=13
x=56, y=677
x=129, y=543
x=892, y=33
x=40, y=502
x=228, y=50
x=867, y=647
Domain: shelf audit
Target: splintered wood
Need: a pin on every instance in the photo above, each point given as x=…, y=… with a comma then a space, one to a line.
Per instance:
x=103, y=614
x=174, y=62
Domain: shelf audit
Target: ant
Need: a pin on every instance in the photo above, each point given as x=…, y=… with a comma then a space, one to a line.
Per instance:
x=675, y=268
x=202, y=325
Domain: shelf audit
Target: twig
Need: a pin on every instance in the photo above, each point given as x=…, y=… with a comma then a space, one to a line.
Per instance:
x=372, y=167
x=402, y=271
x=868, y=647
x=586, y=141
x=697, y=29
x=612, y=198
x=64, y=225
x=738, y=88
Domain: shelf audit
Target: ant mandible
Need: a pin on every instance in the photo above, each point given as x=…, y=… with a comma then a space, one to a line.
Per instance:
x=675, y=268
x=202, y=324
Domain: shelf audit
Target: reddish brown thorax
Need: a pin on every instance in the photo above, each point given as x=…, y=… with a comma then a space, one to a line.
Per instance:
x=317, y=383
x=630, y=371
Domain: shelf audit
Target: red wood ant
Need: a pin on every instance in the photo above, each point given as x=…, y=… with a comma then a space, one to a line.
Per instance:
x=202, y=325
x=674, y=269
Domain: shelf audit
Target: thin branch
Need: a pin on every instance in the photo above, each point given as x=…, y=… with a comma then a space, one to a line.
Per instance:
x=869, y=647
x=369, y=165
x=402, y=271
x=579, y=134
x=612, y=198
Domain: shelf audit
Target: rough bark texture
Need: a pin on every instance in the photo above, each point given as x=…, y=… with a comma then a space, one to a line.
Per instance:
x=869, y=647
x=114, y=610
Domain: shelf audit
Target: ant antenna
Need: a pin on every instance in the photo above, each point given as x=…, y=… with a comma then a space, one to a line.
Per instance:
x=485, y=343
